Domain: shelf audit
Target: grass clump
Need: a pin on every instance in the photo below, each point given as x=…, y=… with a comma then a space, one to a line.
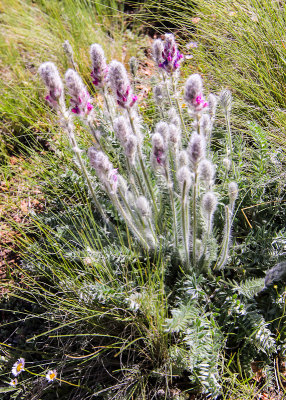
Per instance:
x=139, y=271
x=238, y=44
x=32, y=32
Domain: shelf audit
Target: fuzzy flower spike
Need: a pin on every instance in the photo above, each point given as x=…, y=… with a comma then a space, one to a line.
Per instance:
x=54, y=84
x=120, y=85
x=170, y=54
x=80, y=98
x=18, y=367
x=99, y=66
x=194, y=93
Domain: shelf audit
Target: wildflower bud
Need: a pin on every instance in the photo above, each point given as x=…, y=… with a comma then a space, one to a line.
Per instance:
x=99, y=66
x=67, y=48
x=184, y=177
x=212, y=100
x=158, y=51
x=119, y=82
x=275, y=274
x=131, y=148
x=226, y=100
x=133, y=63
x=170, y=55
x=163, y=128
x=232, y=193
x=196, y=148
x=69, y=51
x=104, y=169
x=173, y=117
x=174, y=134
x=209, y=204
x=206, y=171
x=227, y=163
x=122, y=129
x=53, y=82
x=183, y=158
x=159, y=150
x=206, y=125
x=194, y=93
x=143, y=206
x=80, y=98
x=158, y=94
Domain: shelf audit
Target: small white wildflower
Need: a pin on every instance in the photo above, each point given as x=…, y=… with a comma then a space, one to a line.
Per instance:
x=13, y=382
x=51, y=375
x=18, y=367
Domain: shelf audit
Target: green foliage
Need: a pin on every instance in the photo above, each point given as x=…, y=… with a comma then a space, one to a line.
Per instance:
x=119, y=320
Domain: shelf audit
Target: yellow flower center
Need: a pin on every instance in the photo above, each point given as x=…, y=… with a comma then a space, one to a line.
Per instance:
x=19, y=367
x=52, y=375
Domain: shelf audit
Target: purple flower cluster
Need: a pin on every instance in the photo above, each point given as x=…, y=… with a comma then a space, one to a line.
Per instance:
x=53, y=82
x=80, y=98
x=194, y=93
x=171, y=56
x=99, y=66
x=120, y=85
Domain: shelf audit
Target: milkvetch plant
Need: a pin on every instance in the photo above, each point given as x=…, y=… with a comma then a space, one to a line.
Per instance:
x=172, y=176
x=144, y=269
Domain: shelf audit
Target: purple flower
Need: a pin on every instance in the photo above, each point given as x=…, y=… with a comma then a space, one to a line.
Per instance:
x=53, y=82
x=170, y=54
x=99, y=66
x=80, y=98
x=194, y=93
x=119, y=82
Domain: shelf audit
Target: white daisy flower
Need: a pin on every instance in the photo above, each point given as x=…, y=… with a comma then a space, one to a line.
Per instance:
x=13, y=382
x=18, y=367
x=51, y=375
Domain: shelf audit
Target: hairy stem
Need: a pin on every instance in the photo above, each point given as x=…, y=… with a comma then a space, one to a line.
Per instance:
x=195, y=216
x=185, y=223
